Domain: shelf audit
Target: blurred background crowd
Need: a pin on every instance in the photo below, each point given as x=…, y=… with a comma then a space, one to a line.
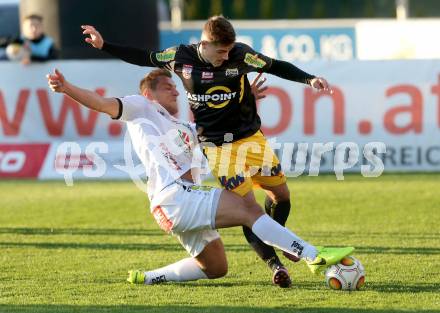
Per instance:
x=46, y=29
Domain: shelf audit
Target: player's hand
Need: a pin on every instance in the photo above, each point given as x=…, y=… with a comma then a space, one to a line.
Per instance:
x=56, y=81
x=321, y=84
x=95, y=38
x=256, y=87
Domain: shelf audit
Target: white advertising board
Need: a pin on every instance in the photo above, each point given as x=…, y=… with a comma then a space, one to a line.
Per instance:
x=393, y=102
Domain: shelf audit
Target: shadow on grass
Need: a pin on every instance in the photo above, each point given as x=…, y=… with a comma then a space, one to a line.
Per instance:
x=183, y=309
x=398, y=250
x=351, y=234
x=82, y=231
x=403, y=287
x=226, y=233
x=92, y=246
x=112, y=246
x=175, y=246
x=315, y=286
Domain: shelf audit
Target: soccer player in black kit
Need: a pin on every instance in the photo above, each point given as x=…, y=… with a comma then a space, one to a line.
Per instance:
x=214, y=75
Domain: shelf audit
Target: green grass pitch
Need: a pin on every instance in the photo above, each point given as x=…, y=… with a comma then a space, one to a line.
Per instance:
x=67, y=249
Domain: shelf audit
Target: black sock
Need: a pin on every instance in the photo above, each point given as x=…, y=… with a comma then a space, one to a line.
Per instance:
x=265, y=252
x=268, y=203
x=278, y=211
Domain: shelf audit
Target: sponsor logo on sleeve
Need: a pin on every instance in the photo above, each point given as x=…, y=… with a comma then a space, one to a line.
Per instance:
x=254, y=61
x=166, y=56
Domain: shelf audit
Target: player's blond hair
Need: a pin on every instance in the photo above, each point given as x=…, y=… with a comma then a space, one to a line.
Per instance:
x=149, y=82
x=218, y=30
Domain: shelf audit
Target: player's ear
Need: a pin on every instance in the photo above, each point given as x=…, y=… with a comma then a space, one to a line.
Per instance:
x=147, y=94
x=204, y=44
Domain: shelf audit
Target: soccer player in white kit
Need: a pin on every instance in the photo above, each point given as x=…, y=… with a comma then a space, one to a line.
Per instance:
x=167, y=147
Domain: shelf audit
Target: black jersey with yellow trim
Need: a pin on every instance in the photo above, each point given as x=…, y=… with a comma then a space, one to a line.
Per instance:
x=220, y=97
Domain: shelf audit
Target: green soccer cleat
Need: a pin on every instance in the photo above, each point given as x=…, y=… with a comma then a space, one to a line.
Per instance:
x=136, y=277
x=327, y=257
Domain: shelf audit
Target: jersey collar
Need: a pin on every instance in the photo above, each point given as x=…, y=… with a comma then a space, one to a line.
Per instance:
x=163, y=111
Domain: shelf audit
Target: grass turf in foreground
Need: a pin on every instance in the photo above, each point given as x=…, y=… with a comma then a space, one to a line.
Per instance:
x=68, y=249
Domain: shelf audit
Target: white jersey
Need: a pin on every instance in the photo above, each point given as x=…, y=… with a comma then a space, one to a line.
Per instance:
x=164, y=144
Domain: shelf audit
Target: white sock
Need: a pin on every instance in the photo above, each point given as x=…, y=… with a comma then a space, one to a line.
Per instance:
x=183, y=270
x=272, y=233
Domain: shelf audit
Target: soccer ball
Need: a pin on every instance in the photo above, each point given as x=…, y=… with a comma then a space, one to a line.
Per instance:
x=349, y=274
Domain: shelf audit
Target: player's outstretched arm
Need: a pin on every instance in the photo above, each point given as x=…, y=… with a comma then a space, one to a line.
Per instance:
x=88, y=98
x=289, y=71
x=128, y=54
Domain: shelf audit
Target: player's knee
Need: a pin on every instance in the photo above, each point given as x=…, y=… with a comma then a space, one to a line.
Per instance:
x=253, y=212
x=247, y=211
x=217, y=270
x=281, y=194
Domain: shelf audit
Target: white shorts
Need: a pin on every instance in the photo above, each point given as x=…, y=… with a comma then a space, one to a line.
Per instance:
x=195, y=241
x=188, y=211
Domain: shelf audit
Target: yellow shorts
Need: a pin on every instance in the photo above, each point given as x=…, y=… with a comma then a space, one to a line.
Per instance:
x=246, y=162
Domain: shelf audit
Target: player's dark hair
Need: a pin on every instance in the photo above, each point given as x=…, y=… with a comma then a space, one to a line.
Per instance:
x=34, y=17
x=219, y=30
x=151, y=79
